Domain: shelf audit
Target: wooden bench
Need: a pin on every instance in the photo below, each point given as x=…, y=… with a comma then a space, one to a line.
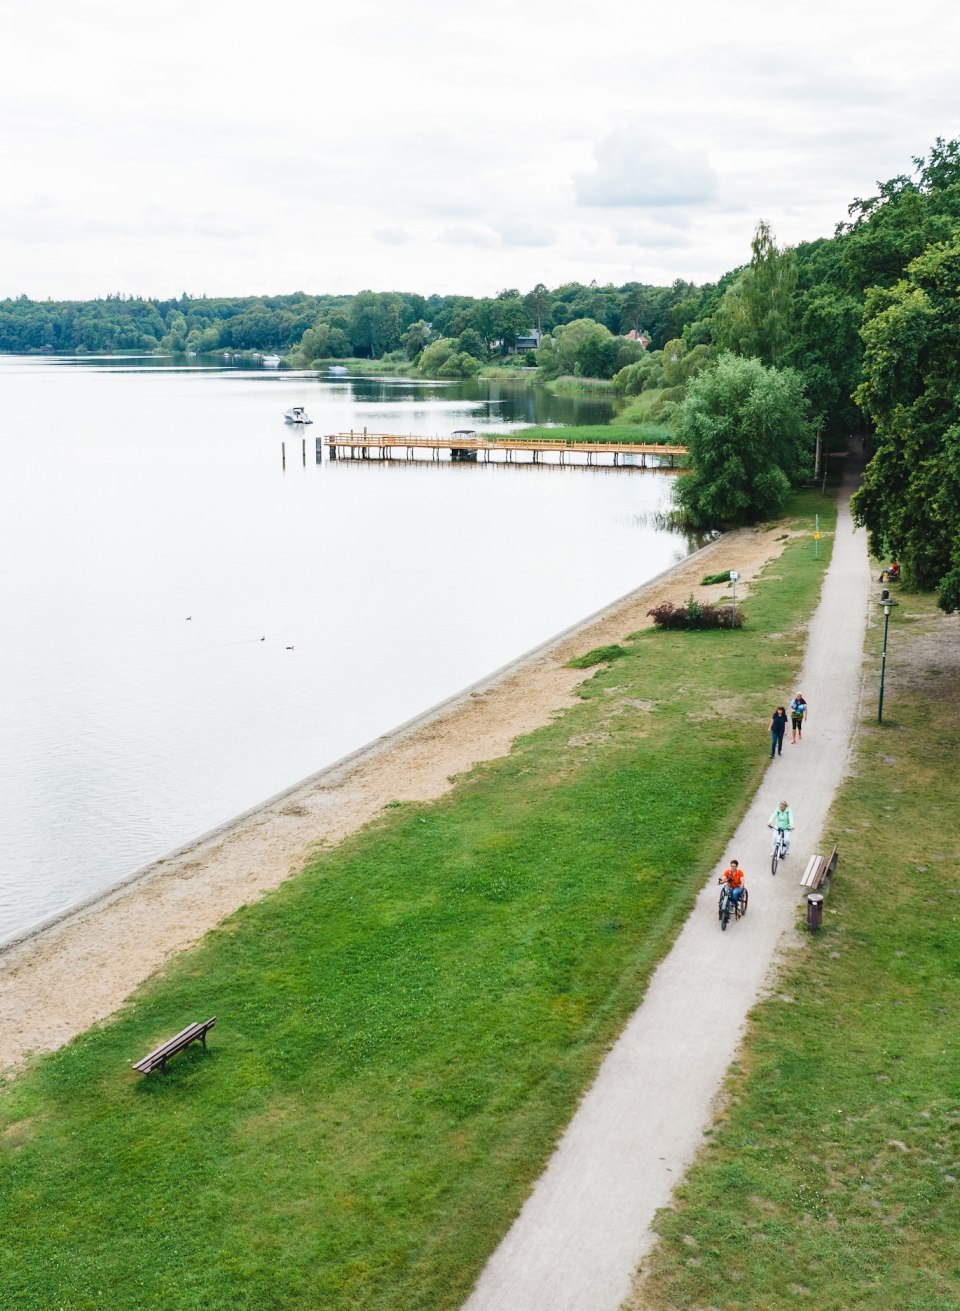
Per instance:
x=819, y=869
x=159, y=1058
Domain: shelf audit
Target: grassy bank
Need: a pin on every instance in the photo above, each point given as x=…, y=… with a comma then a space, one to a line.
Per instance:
x=357, y=365
x=832, y=1180
x=403, y=1030
x=570, y=385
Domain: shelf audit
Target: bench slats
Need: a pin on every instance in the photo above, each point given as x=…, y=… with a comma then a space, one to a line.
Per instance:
x=819, y=868
x=812, y=874
x=192, y=1033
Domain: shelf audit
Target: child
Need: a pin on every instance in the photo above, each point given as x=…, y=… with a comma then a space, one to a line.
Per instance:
x=798, y=713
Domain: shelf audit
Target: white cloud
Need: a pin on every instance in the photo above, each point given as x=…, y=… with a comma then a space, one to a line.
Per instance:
x=442, y=149
x=633, y=234
x=393, y=236
x=468, y=236
x=525, y=232
x=634, y=169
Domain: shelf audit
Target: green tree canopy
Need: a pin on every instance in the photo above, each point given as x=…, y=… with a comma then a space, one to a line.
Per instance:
x=749, y=439
x=756, y=314
x=910, y=500
x=564, y=349
x=416, y=337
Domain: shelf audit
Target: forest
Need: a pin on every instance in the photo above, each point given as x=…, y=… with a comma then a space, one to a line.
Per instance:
x=855, y=332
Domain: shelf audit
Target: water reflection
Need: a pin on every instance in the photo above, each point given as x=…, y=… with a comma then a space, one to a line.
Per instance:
x=328, y=603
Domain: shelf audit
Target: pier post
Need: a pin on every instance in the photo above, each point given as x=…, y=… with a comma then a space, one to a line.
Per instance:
x=283, y=453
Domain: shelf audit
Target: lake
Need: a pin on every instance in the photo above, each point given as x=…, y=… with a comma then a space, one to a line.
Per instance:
x=189, y=627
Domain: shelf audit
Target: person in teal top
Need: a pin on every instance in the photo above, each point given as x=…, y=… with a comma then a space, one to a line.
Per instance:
x=798, y=713
x=782, y=821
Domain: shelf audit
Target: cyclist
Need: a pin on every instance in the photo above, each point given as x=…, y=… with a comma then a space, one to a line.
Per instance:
x=733, y=878
x=781, y=821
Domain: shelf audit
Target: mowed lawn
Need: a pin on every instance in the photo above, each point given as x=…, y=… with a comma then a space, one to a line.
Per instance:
x=833, y=1180
x=404, y=1029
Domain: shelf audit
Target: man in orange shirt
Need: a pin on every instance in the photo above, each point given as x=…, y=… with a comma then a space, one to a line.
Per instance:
x=733, y=877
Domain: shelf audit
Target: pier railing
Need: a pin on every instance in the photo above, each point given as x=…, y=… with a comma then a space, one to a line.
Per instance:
x=367, y=445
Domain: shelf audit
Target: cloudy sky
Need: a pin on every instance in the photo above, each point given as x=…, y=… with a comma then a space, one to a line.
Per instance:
x=239, y=148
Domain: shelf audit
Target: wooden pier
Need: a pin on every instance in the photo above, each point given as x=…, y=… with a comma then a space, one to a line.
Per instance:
x=468, y=447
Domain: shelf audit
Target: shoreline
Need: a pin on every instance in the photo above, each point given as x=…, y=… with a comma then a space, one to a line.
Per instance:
x=76, y=968
x=353, y=759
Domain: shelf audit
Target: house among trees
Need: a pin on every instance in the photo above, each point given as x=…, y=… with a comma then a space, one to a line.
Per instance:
x=530, y=341
x=641, y=337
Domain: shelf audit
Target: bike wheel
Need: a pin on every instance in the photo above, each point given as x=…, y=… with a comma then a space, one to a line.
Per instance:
x=742, y=904
x=724, y=911
x=775, y=859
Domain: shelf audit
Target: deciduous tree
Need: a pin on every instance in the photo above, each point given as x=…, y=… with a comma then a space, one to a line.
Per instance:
x=749, y=438
x=910, y=500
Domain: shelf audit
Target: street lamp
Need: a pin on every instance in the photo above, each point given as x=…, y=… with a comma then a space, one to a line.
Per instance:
x=887, y=601
x=734, y=579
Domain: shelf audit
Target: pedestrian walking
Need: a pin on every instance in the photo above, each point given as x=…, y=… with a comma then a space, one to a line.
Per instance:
x=778, y=726
x=798, y=713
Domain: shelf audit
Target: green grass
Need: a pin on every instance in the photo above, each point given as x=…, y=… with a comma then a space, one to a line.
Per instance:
x=833, y=1180
x=638, y=409
x=598, y=656
x=568, y=384
x=365, y=365
x=404, y=1030
x=524, y=372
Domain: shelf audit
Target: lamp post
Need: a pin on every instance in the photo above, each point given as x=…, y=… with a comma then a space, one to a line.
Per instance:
x=734, y=579
x=887, y=601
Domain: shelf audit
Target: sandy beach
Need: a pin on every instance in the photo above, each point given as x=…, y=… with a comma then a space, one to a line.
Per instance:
x=77, y=971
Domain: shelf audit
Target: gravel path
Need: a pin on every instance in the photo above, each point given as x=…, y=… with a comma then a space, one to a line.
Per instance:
x=585, y=1228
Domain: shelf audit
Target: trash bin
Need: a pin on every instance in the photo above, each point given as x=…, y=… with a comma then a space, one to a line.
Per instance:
x=814, y=911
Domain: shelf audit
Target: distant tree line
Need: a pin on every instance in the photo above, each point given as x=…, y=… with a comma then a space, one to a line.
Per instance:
x=857, y=331
x=368, y=325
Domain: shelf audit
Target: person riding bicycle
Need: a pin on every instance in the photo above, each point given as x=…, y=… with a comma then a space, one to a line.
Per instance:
x=733, y=878
x=781, y=821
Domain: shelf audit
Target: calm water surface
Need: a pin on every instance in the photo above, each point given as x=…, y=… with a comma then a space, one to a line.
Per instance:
x=158, y=562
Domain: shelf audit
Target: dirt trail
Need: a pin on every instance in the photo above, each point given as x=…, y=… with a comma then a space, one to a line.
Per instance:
x=78, y=971
x=585, y=1228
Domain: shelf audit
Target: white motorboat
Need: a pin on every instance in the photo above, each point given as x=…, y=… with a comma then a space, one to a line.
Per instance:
x=270, y=361
x=296, y=414
x=337, y=370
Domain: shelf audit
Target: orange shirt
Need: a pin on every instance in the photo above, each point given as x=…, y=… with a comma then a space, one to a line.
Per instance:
x=734, y=877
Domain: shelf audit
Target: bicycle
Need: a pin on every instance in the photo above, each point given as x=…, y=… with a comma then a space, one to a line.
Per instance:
x=779, y=849
x=727, y=905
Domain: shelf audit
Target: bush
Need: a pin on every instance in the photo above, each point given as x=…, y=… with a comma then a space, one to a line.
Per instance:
x=695, y=614
x=460, y=365
x=707, y=579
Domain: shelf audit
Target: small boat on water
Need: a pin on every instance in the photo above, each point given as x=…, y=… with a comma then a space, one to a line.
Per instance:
x=296, y=414
x=270, y=361
x=337, y=370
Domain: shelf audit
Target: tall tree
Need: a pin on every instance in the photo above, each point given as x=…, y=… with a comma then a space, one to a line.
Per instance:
x=749, y=438
x=756, y=314
x=537, y=303
x=910, y=499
